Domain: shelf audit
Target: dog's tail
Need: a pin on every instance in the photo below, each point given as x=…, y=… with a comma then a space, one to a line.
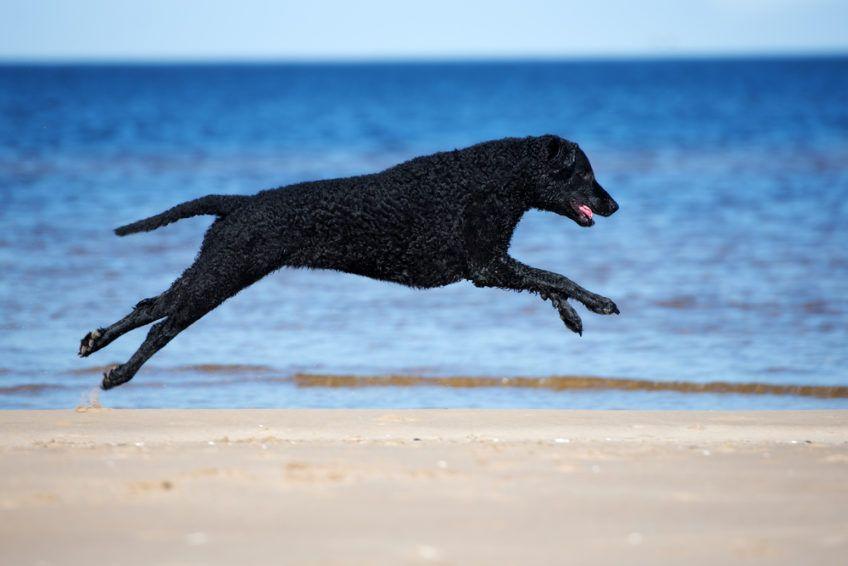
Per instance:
x=219, y=205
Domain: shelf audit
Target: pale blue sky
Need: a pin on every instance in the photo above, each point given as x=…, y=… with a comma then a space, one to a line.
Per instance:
x=356, y=29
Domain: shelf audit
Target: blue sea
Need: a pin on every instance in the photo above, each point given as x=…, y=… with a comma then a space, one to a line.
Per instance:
x=728, y=258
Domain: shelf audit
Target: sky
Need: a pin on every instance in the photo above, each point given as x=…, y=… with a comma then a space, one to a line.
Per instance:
x=421, y=29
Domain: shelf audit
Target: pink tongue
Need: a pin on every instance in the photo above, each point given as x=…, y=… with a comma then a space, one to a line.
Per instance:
x=585, y=210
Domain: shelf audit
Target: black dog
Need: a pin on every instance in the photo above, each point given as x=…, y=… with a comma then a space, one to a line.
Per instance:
x=425, y=223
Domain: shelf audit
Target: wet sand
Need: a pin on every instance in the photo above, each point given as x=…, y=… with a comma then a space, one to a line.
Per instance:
x=422, y=486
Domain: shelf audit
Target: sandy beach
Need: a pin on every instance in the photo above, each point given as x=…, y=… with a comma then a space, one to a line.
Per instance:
x=422, y=486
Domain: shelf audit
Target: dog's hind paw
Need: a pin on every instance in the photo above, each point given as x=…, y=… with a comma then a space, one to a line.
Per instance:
x=112, y=377
x=88, y=342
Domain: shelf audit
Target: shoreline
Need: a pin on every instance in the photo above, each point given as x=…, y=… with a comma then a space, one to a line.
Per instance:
x=422, y=486
x=761, y=395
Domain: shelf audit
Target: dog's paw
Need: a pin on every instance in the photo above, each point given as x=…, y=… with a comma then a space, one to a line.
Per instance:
x=88, y=342
x=567, y=313
x=601, y=305
x=112, y=377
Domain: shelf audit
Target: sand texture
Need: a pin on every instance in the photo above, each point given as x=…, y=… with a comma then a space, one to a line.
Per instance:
x=423, y=487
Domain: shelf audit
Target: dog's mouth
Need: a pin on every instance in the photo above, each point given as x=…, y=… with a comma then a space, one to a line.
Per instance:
x=583, y=214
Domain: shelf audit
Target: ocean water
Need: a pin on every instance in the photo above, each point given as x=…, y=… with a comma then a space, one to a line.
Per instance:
x=728, y=258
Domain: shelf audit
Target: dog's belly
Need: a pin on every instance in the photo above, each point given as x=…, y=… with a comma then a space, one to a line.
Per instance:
x=389, y=256
x=409, y=265
x=436, y=274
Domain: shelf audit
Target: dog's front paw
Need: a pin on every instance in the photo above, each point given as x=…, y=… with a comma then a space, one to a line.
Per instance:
x=88, y=342
x=601, y=305
x=567, y=313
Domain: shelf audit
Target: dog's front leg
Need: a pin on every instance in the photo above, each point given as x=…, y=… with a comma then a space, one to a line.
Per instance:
x=508, y=273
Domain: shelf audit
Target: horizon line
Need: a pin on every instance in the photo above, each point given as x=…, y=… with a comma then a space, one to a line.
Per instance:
x=425, y=59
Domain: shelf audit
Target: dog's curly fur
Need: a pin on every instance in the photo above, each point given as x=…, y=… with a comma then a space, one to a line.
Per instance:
x=428, y=222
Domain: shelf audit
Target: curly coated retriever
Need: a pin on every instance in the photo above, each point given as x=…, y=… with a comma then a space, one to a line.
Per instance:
x=428, y=222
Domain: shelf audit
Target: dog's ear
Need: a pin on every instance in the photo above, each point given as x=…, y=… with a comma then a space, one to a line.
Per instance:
x=568, y=154
x=552, y=146
x=560, y=151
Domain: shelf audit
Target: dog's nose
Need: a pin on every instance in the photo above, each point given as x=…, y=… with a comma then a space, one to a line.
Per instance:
x=613, y=206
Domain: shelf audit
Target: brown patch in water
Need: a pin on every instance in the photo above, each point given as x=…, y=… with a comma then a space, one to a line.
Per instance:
x=28, y=388
x=224, y=368
x=89, y=370
x=678, y=303
x=574, y=382
x=818, y=307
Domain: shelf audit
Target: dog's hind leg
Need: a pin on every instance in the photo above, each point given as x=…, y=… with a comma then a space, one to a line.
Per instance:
x=189, y=299
x=145, y=312
x=200, y=290
x=160, y=334
x=233, y=256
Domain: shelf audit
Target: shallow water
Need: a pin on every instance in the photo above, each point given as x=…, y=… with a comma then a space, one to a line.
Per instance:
x=728, y=258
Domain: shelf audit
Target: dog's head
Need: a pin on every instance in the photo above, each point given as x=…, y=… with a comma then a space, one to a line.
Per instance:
x=562, y=181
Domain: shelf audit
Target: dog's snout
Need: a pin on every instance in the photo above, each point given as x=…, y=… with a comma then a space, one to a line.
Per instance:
x=605, y=205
